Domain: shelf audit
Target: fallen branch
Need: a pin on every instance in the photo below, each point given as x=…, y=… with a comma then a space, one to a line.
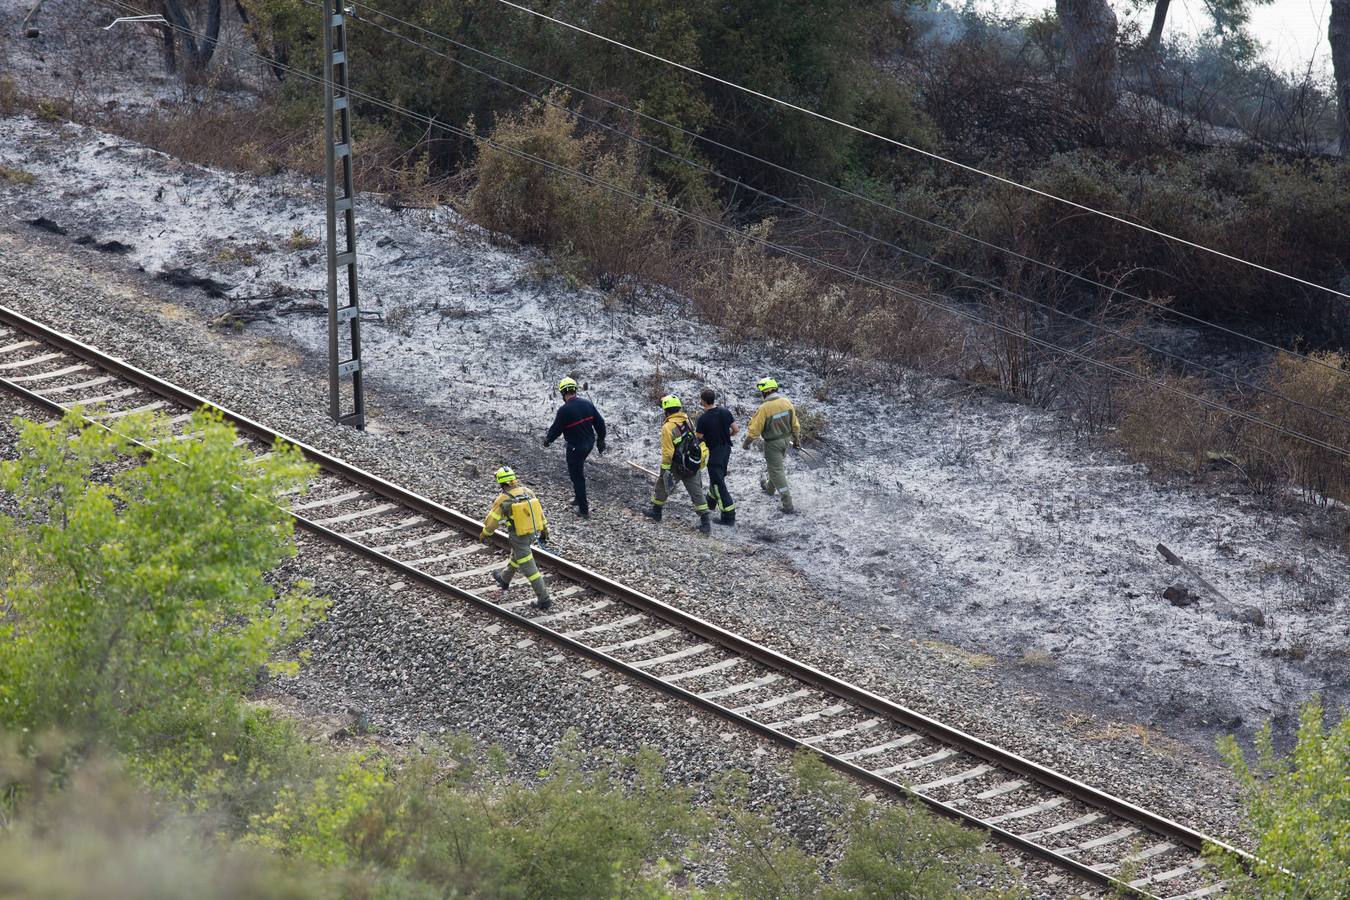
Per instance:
x=643, y=469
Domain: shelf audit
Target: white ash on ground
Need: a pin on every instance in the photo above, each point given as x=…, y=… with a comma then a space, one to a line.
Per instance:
x=77, y=289
x=934, y=511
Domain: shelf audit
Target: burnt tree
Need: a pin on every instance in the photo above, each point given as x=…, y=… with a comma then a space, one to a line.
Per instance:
x=1338, y=33
x=1090, y=31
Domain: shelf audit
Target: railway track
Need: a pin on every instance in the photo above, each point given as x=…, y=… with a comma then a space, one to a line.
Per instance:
x=1086, y=832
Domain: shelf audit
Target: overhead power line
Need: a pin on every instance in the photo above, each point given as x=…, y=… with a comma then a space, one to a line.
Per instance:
x=788, y=251
x=1112, y=290
x=928, y=153
x=1047, y=308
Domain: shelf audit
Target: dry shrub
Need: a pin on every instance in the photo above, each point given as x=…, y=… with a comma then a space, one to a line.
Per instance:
x=755, y=294
x=9, y=96
x=1321, y=382
x=1168, y=432
x=591, y=229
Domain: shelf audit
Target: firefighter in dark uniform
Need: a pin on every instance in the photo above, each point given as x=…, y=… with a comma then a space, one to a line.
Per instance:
x=582, y=428
x=715, y=427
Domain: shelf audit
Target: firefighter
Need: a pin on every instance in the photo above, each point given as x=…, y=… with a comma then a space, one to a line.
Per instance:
x=776, y=422
x=715, y=429
x=517, y=506
x=683, y=457
x=582, y=428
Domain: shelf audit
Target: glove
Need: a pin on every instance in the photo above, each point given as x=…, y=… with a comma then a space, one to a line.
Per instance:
x=600, y=447
x=543, y=538
x=484, y=537
x=796, y=444
x=669, y=478
x=745, y=444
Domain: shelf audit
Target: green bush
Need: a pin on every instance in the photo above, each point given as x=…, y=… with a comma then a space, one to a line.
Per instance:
x=136, y=606
x=1299, y=809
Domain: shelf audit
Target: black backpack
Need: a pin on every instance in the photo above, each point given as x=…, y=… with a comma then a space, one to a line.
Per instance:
x=688, y=456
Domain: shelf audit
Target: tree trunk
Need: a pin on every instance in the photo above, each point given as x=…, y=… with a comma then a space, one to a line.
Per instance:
x=277, y=59
x=1338, y=33
x=1090, y=31
x=1159, y=20
x=199, y=55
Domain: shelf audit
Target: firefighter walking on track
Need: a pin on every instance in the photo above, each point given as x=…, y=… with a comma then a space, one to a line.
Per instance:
x=582, y=428
x=683, y=457
x=517, y=506
x=776, y=422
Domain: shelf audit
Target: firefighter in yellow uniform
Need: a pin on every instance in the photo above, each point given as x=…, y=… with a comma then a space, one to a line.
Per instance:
x=517, y=506
x=683, y=458
x=776, y=422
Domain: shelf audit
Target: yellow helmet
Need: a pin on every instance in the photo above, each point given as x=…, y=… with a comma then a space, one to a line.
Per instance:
x=764, y=385
x=567, y=384
x=670, y=401
x=505, y=475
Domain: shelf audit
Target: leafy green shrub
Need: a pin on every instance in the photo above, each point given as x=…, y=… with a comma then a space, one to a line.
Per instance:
x=1299, y=808
x=135, y=598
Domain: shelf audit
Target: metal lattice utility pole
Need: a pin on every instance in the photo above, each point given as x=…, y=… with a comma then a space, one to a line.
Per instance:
x=337, y=119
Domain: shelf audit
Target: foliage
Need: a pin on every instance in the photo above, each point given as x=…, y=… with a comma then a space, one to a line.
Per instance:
x=592, y=229
x=1299, y=808
x=134, y=595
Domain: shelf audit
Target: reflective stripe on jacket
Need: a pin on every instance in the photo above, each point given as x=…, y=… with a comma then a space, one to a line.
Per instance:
x=776, y=418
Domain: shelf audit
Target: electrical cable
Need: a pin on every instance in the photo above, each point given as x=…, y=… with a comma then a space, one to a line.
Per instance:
x=851, y=229
x=842, y=191
x=928, y=153
x=789, y=251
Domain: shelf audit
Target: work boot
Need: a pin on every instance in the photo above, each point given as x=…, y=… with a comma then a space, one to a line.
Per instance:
x=766, y=486
x=728, y=517
x=541, y=603
x=584, y=511
x=654, y=513
x=500, y=577
x=788, y=508
x=704, y=525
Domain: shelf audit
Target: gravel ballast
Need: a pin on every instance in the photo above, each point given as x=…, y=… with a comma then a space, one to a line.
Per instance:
x=402, y=679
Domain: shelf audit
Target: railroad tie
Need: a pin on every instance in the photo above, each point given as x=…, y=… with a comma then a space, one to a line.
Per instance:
x=881, y=748
x=359, y=514
x=704, y=670
x=638, y=642
x=864, y=725
x=329, y=501
x=19, y=346
x=1067, y=826
x=1202, y=892
x=43, y=376
x=741, y=688
x=575, y=611
x=25, y=363
x=92, y=382
x=687, y=652
x=1155, y=850
x=967, y=775
x=1194, y=865
x=828, y=711
x=773, y=701
x=919, y=763
x=606, y=626
x=1043, y=806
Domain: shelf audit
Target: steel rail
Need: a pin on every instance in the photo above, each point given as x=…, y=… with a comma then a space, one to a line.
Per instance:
x=772, y=659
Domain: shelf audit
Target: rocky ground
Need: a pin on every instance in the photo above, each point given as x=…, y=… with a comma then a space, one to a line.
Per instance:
x=934, y=510
x=413, y=666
